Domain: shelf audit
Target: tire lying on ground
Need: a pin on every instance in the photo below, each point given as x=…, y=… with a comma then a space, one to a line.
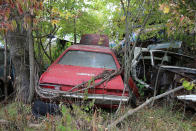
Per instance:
x=40, y=108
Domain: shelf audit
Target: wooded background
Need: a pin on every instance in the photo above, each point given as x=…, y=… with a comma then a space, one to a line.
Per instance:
x=28, y=27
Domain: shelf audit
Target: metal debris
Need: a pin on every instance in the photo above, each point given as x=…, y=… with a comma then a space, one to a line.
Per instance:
x=191, y=97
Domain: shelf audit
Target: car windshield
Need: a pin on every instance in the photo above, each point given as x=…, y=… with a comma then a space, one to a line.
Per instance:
x=88, y=59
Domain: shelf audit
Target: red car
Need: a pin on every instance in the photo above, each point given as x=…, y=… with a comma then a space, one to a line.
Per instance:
x=80, y=63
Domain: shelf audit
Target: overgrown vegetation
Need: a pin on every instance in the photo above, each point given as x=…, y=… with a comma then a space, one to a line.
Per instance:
x=19, y=117
x=37, y=26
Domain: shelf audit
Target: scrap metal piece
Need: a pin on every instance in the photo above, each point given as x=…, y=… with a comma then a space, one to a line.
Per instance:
x=165, y=45
x=187, y=97
x=147, y=62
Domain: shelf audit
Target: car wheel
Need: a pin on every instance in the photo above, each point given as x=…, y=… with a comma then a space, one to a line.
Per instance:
x=40, y=108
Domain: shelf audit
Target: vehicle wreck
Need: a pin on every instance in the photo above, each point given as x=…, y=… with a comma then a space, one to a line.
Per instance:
x=157, y=68
x=85, y=71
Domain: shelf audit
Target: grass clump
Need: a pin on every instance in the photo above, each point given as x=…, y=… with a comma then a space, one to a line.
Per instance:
x=159, y=119
x=156, y=118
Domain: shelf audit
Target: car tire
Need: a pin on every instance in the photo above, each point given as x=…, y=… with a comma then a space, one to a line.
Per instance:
x=40, y=108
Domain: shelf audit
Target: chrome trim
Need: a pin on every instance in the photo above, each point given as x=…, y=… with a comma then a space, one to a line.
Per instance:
x=89, y=96
x=152, y=57
x=178, y=67
x=46, y=84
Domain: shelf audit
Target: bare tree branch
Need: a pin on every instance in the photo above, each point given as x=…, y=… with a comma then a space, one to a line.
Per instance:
x=45, y=51
x=52, y=32
x=105, y=76
x=131, y=111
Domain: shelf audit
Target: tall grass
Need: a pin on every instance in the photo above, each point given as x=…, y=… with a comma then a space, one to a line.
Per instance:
x=155, y=118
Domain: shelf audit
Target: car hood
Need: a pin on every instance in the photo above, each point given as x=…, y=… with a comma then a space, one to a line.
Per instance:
x=74, y=75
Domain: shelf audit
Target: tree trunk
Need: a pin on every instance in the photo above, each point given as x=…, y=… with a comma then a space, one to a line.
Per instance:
x=31, y=63
x=40, y=58
x=50, y=52
x=75, y=39
x=17, y=40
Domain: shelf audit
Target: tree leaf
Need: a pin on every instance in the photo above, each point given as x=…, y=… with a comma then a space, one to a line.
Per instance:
x=7, y=14
x=187, y=85
x=63, y=110
x=55, y=22
x=19, y=7
x=123, y=18
x=166, y=9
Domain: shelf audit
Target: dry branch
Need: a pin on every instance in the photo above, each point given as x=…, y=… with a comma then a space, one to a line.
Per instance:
x=4, y=122
x=31, y=125
x=106, y=75
x=131, y=111
x=52, y=32
x=109, y=77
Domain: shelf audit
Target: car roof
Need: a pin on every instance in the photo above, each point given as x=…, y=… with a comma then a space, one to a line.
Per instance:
x=91, y=48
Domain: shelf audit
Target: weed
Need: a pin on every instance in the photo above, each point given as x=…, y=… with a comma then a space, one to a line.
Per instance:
x=155, y=118
x=141, y=89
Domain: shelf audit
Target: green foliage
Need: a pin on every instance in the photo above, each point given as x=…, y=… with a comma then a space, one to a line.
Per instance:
x=91, y=82
x=159, y=118
x=188, y=85
x=141, y=89
x=66, y=123
x=59, y=49
x=180, y=22
x=153, y=31
x=88, y=104
x=90, y=17
x=156, y=118
x=17, y=114
x=87, y=21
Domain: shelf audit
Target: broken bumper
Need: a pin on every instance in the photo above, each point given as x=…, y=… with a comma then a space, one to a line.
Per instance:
x=99, y=98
